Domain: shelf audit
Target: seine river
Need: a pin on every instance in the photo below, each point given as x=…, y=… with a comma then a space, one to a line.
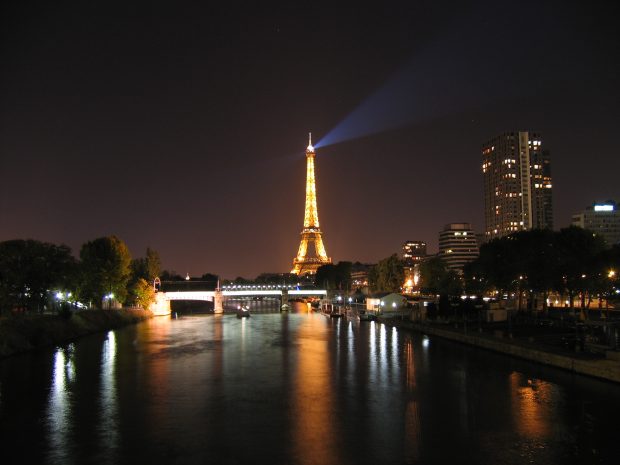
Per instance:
x=295, y=388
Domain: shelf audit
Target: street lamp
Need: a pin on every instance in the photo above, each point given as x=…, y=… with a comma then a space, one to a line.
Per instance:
x=611, y=275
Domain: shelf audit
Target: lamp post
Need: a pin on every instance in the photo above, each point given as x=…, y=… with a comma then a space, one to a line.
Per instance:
x=611, y=275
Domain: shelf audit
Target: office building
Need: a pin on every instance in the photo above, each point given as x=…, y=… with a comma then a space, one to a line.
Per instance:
x=457, y=245
x=603, y=219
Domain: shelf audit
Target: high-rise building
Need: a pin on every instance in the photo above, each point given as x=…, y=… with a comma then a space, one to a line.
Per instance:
x=457, y=245
x=307, y=262
x=414, y=251
x=603, y=219
x=517, y=184
x=413, y=254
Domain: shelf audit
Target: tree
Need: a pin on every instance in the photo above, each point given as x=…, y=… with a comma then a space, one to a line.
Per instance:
x=105, y=269
x=496, y=265
x=210, y=277
x=437, y=279
x=143, y=293
x=332, y=276
x=387, y=275
x=537, y=261
x=147, y=268
x=578, y=250
x=153, y=264
x=170, y=275
x=29, y=269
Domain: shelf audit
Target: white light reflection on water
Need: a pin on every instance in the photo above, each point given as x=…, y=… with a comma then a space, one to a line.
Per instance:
x=243, y=335
x=372, y=351
x=394, y=346
x=59, y=405
x=108, y=425
x=350, y=345
x=383, y=356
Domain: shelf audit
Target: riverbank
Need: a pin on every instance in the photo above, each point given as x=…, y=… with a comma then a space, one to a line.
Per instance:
x=583, y=364
x=21, y=333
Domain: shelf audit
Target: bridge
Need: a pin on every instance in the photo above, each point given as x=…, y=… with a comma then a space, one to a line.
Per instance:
x=161, y=306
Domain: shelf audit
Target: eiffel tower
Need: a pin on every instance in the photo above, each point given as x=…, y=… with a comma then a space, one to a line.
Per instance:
x=304, y=263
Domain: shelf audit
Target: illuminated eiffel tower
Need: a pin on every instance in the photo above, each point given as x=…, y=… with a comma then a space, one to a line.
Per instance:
x=304, y=263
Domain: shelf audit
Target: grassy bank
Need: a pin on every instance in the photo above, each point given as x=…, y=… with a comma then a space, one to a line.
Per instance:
x=21, y=333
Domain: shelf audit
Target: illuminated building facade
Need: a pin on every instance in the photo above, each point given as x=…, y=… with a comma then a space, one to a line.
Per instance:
x=517, y=184
x=414, y=251
x=359, y=277
x=603, y=219
x=305, y=263
x=413, y=254
x=457, y=245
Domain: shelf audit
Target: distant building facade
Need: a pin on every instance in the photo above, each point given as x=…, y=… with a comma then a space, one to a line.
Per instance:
x=359, y=277
x=517, y=184
x=603, y=219
x=414, y=251
x=457, y=245
x=413, y=254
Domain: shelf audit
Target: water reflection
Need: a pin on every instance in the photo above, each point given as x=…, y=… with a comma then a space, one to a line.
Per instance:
x=59, y=405
x=412, y=414
x=154, y=339
x=108, y=422
x=296, y=388
x=314, y=435
x=531, y=405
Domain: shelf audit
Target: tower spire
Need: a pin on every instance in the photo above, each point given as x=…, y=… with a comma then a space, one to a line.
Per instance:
x=305, y=262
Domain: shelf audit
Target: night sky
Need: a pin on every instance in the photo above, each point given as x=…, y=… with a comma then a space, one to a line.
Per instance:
x=183, y=126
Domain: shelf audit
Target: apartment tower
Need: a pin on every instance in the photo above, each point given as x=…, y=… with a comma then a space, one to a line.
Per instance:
x=517, y=184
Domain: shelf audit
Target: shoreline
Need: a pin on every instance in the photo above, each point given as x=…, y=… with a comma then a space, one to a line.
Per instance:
x=23, y=333
x=602, y=368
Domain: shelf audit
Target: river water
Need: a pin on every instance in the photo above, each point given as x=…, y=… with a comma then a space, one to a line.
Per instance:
x=295, y=388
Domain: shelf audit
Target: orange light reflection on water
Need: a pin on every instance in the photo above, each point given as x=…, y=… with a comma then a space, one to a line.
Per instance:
x=530, y=402
x=313, y=435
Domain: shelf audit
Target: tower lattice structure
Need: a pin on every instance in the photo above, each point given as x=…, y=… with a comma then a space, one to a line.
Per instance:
x=304, y=262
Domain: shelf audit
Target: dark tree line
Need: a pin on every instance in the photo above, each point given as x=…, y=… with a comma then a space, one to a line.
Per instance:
x=36, y=275
x=332, y=276
x=28, y=269
x=573, y=262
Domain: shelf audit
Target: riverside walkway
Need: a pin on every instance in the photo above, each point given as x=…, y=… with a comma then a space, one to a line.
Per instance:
x=604, y=366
